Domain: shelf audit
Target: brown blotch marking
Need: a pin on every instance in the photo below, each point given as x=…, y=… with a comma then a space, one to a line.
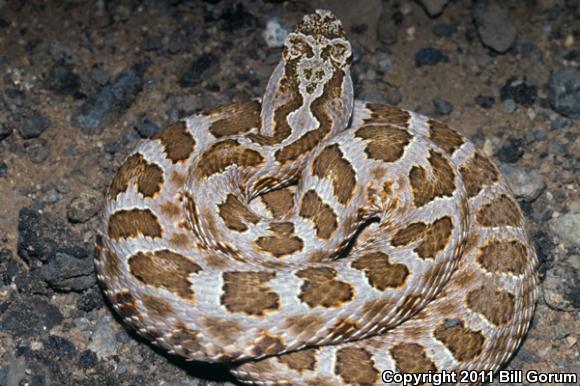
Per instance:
x=180, y=240
x=283, y=243
x=501, y=211
x=132, y=223
x=507, y=256
x=279, y=202
x=386, y=143
x=235, y=118
x=216, y=260
x=186, y=338
x=411, y=358
x=356, y=367
x=164, y=269
x=444, y=137
x=331, y=164
x=248, y=292
x=235, y=213
x=464, y=344
x=387, y=114
x=307, y=325
x=158, y=308
x=380, y=273
x=478, y=173
x=319, y=381
x=441, y=184
x=465, y=280
x=126, y=305
x=343, y=328
x=178, y=144
x=322, y=289
x=170, y=209
x=321, y=214
x=223, y=154
x=433, y=237
x=311, y=139
x=147, y=176
x=268, y=345
x=497, y=306
x=301, y=361
x=225, y=331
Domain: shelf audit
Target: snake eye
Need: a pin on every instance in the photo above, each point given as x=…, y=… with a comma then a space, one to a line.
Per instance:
x=297, y=47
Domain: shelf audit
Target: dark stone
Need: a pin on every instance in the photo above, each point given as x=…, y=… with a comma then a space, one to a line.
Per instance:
x=41, y=235
x=180, y=40
x=443, y=30
x=28, y=316
x=564, y=91
x=146, y=127
x=152, y=42
x=442, y=106
x=3, y=169
x=511, y=151
x=36, y=149
x=8, y=267
x=532, y=52
x=5, y=131
x=112, y=99
x=205, y=66
x=68, y=273
x=90, y=300
x=59, y=348
x=33, y=125
x=387, y=29
x=429, y=57
x=485, y=101
x=236, y=18
x=519, y=91
x=88, y=359
x=62, y=80
x=434, y=7
x=494, y=26
x=30, y=283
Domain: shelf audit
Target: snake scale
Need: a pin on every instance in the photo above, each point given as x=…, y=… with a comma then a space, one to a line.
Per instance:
x=308, y=238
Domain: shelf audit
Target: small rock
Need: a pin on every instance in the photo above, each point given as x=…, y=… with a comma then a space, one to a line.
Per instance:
x=434, y=7
x=494, y=26
x=443, y=30
x=180, y=41
x=30, y=316
x=5, y=131
x=442, y=106
x=62, y=80
x=103, y=342
x=532, y=52
x=485, y=101
x=88, y=359
x=526, y=184
x=205, y=66
x=567, y=228
x=8, y=267
x=429, y=57
x=511, y=151
x=69, y=273
x=275, y=33
x=3, y=169
x=99, y=76
x=152, y=42
x=85, y=206
x=508, y=106
x=59, y=348
x=146, y=127
x=115, y=97
x=33, y=125
x=519, y=91
x=387, y=30
x=561, y=288
x=560, y=123
x=564, y=95
x=90, y=300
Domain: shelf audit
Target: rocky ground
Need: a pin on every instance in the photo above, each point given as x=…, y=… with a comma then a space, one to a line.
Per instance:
x=82, y=81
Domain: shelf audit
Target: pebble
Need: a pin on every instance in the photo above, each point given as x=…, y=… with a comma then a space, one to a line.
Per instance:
x=3, y=169
x=494, y=26
x=443, y=30
x=5, y=131
x=434, y=7
x=146, y=127
x=560, y=288
x=384, y=62
x=429, y=57
x=69, y=273
x=117, y=97
x=510, y=151
x=180, y=40
x=519, y=91
x=526, y=184
x=442, y=106
x=28, y=316
x=33, y=125
x=84, y=206
x=564, y=91
x=88, y=359
x=532, y=52
x=103, y=342
x=560, y=123
x=508, y=106
x=567, y=228
x=205, y=66
x=484, y=101
x=275, y=33
x=62, y=80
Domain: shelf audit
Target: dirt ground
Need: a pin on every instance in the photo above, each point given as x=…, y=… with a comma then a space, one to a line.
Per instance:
x=82, y=81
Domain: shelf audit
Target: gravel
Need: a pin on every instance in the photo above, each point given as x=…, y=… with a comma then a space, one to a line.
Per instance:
x=508, y=106
x=429, y=57
x=205, y=66
x=434, y=7
x=443, y=30
x=485, y=101
x=494, y=26
x=564, y=91
x=62, y=79
x=511, y=151
x=519, y=91
x=567, y=228
x=146, y=127
x=442, y=106
x=30, y=316
x=84, y=206
x=5, y=131
x=33, y=125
